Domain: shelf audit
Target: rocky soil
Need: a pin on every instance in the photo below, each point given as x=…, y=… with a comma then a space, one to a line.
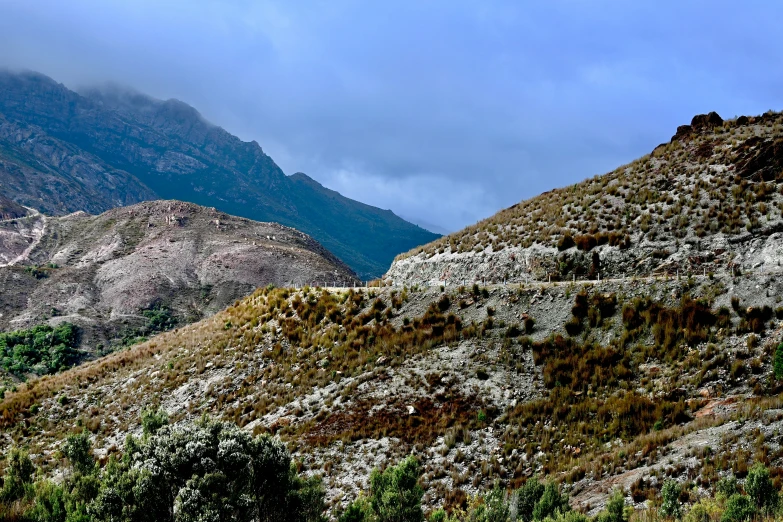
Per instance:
x=101, y=272
x=375, y=413
x=708, y=201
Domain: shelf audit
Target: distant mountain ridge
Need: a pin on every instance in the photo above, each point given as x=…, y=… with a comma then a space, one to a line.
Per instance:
x=61, y=151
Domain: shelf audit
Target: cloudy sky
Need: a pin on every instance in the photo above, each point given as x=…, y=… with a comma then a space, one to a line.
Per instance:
x=444, y=111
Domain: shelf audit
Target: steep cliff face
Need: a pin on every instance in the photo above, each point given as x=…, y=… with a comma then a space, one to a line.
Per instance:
x=102, y=272
x=127, y=147
x=708, y=201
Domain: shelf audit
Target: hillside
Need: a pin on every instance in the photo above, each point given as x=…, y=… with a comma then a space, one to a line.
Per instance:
x=598, y=385
x=10, y=209
x=710, y=200
x=115, y=274
x=621, y=383
x=61, y=152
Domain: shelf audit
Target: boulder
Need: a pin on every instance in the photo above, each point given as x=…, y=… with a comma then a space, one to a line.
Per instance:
x=706, y=121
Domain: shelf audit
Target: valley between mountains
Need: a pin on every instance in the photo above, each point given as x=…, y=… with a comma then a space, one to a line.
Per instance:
x=613, y=337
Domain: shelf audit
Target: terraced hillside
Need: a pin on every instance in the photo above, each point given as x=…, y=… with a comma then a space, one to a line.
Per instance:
x=710, y=200
x=135, y=270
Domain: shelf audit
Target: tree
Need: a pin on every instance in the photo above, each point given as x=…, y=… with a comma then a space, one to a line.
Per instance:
x=395, y=494
x=78, y=449
x=551, y=502
x=759, y=487
x=527, y=498
x=670, y=507
x=778, y=363
x=739, y=508
x=18, y=475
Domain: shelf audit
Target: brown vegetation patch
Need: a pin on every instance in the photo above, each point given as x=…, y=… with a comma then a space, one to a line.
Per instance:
x=413, y=421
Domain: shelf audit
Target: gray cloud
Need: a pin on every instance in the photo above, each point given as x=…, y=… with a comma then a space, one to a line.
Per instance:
x=444, y=111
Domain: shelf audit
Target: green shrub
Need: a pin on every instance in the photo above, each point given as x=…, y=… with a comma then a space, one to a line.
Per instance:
x=395, y=494
x=727, y=486
x=527, y=498
x=18, y=475
x=615, y=509
x=78, y=449
x=760, y=489
x=494, y=508
x=670, y=505
x=41, y=349
x=439, y=515
x=552, y=501
x=153, y=420
x=739, y=508
x=779, y=362
x=568, y=516
x=358, y=511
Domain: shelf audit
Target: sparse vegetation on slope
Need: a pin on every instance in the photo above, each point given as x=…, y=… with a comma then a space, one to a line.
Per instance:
x=691, y=205
x=451, y=377
x=136, y=271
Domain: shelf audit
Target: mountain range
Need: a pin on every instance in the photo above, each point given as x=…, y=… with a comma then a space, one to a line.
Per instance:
x=63, y=151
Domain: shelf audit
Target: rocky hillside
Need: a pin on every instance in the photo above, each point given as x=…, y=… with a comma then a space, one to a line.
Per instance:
x=710, y=200
x=61, y=152
x=113, y=274
x=10, y=209
x=597, y=385
x=668, y=367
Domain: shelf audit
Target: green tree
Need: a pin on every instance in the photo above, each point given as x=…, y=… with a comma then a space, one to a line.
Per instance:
x=78, y=449
x=18, y=475
x=552, y=501
x=395, y=494
x=670, y=505
x=739, y=508
x=527, y=498
x=760, y=489
x=615, y=509
x=778, y=363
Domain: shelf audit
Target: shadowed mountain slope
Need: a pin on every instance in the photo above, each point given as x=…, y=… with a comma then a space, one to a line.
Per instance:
x=111, y=147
